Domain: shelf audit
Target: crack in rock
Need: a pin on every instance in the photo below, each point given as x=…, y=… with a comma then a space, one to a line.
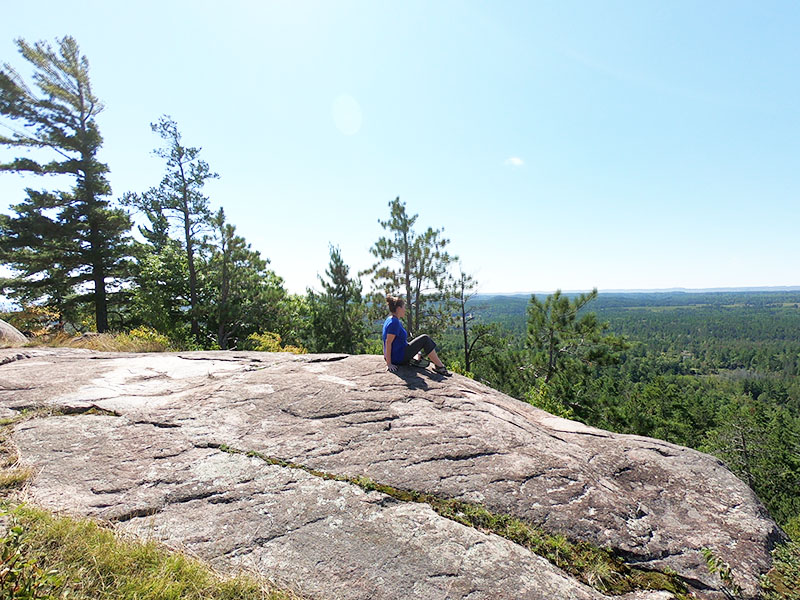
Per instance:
x=14, y=358
x=457, y=457
x=83, y=410
x=160, y=425
x=319, y=358
x=134, y=514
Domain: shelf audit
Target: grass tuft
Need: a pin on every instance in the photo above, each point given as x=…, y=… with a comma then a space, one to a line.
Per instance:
x=84, y=560
x=13, y=478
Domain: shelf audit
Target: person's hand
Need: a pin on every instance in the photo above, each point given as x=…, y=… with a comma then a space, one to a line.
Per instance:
x=391, y=367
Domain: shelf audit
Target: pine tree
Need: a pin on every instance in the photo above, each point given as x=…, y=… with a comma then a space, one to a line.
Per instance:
x=558, y=339
x=179, y=198
x=416, y=264
x=478, y=338
x=565, y=351
x=60, y=241
x=240, y=295
x=338, y=314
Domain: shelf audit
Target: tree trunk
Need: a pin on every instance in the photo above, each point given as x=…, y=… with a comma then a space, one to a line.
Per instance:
x=100, y=302
x=223, y=334
x=412, y=326
x=187, y=230
x=95, y=250
x=551, y=362
x=464, y=328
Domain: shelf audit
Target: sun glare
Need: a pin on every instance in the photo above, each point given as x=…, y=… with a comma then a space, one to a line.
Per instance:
x=347, y=114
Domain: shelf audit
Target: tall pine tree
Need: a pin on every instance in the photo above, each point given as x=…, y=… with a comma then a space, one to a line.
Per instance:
x=63, y=247
x=415, y=266
x=338, y=314
x=178, y=199
x=478, y=338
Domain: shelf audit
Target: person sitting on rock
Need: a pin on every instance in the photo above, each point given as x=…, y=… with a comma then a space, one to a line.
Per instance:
x=397, y=350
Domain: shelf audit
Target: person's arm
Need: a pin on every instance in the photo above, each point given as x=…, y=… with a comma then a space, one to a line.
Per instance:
x=387, y=352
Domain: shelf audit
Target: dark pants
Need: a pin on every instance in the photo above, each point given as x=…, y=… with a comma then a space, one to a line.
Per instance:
x=422, y=342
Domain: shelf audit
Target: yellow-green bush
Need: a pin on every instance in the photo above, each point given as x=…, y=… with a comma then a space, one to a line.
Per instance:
x=792, y=528
x=540, y=396
x=146, y=337
x=270, y=341
x=37, y=320
x=456, y=366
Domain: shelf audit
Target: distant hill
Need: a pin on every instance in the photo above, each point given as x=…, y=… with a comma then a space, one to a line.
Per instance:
x=784, y=288
x=510, y=309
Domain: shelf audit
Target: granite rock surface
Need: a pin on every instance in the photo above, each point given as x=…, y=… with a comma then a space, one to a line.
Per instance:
x=10, y=336
x=157, y=443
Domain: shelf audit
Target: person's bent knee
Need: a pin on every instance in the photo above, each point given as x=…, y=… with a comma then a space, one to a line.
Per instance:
x=429, y=345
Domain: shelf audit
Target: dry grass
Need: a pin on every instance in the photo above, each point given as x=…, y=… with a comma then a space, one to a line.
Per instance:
x=14, y=478
x=137, y=340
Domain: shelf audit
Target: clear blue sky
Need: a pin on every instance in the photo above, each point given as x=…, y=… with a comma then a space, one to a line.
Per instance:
x=635, y=144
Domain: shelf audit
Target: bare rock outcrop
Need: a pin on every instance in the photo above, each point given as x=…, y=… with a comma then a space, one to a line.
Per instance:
x=10, y=336
x=167, y=456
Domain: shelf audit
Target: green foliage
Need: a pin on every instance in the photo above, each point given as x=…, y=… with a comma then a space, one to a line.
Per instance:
x=161, y=293
x=58, y=242
x=291, y=318
x=506, y=370
x=21, y=577
x=79, y=559
x=542, y=397
x=456, y=366
x=760, y=442
x=716, y=565
x=373, y=346
x=792, y=528
x=783, y=580
x=561, y=342
x=239, y=295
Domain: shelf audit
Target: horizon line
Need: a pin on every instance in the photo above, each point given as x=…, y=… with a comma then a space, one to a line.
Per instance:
x=762, y=288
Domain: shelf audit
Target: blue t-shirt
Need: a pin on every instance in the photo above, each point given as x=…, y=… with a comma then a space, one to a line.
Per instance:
x=393, y=325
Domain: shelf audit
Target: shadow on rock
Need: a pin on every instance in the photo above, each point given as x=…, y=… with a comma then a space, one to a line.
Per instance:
x=417, y=379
